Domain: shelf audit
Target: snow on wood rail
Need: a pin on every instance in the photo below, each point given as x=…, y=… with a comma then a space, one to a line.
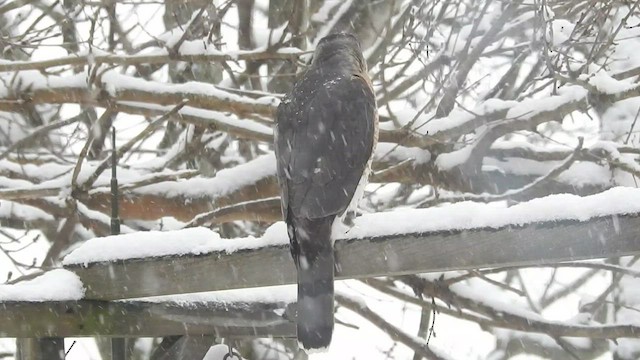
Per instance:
x=53, y=304
x=460, y=236
x=25, y=319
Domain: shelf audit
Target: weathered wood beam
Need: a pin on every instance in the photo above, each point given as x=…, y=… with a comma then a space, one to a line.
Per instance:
x=144, y=319
x=540, y=243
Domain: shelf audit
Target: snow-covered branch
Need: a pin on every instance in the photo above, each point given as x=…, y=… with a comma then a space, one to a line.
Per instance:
x=112, y=87
x=158, y=56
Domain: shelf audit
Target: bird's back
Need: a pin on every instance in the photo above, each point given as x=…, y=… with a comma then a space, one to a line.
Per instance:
x=325, y=132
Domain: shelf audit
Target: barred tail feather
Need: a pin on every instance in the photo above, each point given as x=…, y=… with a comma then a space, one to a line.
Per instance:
x=315, y=284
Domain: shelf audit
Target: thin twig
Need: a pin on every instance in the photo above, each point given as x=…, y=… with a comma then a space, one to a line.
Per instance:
x=633, y=124
x=248, y=210
x=175, y=49
x=417, y=345
x=39, y=131
x=517, y=321
x=87, y=145
x=126, y=147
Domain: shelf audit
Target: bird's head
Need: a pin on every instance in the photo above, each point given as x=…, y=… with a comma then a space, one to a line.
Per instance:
x=340, y=49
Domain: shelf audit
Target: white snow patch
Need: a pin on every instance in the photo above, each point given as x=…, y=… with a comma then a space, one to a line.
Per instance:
x=604, y=83
x=54, y=285
x=562, y=30
x=627, y=348
x=39, y=172
x=579, y=174
x=471, y=215
x=394, y=152
x=448, y=161
x=228, y=120
x=34, y=80
x=124, y=82
x=275, y=233
x=285, y=294
x=10, y=209
x=191, y=241
x=528, y=108
x=225, y=181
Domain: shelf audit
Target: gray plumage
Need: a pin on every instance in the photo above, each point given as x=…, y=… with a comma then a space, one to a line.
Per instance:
x=326, y=129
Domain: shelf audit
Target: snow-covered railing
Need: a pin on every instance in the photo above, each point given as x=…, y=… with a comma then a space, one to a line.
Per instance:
x=142, y=319
x=460, y=236
x=52, y=305
x=142, y=267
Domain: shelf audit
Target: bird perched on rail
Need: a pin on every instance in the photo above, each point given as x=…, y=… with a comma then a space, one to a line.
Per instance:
x=326, y=130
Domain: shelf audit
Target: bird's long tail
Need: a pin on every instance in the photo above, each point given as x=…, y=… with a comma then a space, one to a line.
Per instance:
x=315, y=283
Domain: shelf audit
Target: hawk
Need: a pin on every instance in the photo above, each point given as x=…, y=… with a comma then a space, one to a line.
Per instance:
x=326, y=129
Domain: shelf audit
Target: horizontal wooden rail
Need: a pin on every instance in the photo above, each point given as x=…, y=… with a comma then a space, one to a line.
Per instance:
x=538, y=243
x=147, y=319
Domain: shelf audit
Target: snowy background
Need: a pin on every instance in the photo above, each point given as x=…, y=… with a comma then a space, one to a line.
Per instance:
x=493, y=114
